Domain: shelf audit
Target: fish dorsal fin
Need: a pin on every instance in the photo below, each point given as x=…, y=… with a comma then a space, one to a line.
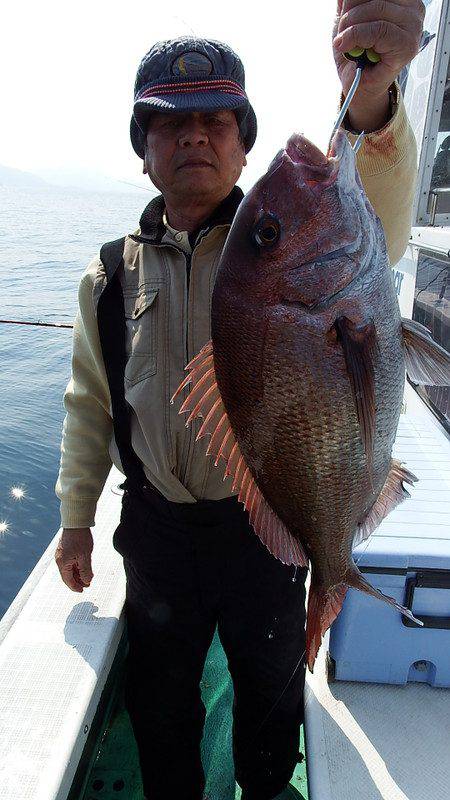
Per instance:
x=392, y=493
x=359, y=343
x=426, y=361
x=204, y=401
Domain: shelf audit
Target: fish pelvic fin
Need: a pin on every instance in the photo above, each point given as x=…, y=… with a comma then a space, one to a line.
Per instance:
x=392, y=493
x=426, y=361
x=204, y=400
x=360, y=345
x=355, y=579
x=323, y=607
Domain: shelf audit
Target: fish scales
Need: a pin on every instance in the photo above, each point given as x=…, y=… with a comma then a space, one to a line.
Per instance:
x=305, y=439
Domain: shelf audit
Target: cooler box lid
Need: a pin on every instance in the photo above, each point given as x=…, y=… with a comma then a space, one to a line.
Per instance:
x=417, y=532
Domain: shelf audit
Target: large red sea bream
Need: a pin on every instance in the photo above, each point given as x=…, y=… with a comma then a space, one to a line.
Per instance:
x=302, y=382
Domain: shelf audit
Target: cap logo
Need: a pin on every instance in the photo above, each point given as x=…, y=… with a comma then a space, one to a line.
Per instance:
x=192, y=65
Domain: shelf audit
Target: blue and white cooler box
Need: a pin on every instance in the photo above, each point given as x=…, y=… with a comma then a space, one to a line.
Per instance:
x=371, y=641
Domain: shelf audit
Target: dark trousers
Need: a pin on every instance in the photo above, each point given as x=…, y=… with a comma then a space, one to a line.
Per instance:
x=190, y=567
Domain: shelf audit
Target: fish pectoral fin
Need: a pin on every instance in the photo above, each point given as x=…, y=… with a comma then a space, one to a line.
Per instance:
x=360, y=345
x=426, y=361
x=204, y=400
x=392, y=493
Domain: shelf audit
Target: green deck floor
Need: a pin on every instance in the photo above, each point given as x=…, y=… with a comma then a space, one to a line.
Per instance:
x=109, y=769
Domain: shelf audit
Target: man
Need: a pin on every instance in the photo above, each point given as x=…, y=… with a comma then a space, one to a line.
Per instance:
x=191, y=558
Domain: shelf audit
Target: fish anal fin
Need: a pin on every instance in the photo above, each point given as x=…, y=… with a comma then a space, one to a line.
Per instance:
x=360, y=345
x=272, y=531
x=323, y=607
x=392, y=493
x=426, y=361
x=204, y=401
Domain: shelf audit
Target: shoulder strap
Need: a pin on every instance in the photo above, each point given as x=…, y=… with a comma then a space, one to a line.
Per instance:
x=111, y=255
x=112, y=330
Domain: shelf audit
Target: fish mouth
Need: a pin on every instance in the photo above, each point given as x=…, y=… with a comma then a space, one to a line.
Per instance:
x=301, y=151
x=313, y=168
x=316, y=168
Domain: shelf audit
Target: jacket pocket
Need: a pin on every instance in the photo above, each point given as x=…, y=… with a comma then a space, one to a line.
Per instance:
x=141, y=312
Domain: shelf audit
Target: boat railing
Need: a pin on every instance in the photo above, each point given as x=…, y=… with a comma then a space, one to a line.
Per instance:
x=429, y=246
x=438, y=202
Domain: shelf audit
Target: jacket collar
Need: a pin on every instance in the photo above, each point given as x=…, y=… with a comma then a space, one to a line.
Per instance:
x=153, y=228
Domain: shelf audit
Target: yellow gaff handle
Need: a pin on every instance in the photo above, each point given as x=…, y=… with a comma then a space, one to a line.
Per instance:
x=364, y=57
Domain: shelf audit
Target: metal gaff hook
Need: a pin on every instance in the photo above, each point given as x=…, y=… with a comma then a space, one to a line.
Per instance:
x=363, y=57
x=344, y=108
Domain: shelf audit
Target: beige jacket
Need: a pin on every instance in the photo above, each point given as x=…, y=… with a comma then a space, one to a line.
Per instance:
x=167, y=326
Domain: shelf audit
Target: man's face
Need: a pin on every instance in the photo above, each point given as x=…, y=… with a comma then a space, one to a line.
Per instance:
x=194, y=152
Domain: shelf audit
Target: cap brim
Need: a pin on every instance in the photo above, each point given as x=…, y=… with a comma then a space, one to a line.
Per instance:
x=186, y=101
x=137, y=138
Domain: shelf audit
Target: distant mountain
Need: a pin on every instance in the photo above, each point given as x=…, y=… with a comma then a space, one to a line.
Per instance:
x=87, y=180
x=16, y=179
x=69, y=179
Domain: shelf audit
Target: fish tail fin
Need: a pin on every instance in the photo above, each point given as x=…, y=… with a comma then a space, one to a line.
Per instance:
x=323, y=607
x=355, y=579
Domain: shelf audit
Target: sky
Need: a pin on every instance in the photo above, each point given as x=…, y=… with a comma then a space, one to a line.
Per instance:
x=68, y=72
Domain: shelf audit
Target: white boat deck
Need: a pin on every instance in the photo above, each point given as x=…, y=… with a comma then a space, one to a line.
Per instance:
x=56, y=650
x=371, y=741
x=375, y=741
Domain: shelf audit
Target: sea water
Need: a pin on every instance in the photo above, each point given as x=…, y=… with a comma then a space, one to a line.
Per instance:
x=47, y=238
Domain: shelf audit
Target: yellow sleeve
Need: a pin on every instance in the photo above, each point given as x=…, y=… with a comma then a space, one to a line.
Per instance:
x=387, y=165
x=87, y=428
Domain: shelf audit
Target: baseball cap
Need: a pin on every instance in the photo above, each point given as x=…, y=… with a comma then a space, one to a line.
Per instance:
x=190, y=74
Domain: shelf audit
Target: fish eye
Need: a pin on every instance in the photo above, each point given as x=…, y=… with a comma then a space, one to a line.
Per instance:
x=266, y=232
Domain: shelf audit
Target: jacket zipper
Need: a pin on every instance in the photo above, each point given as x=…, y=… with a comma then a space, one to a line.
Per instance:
x=191, y=436
x=188, y=259
x=188, y=271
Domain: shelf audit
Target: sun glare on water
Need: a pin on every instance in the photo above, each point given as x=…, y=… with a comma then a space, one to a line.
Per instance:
x=17, y=492
x=3, y=527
